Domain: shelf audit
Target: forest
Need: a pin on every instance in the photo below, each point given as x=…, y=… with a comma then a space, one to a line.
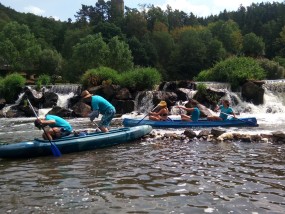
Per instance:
x=178, y=45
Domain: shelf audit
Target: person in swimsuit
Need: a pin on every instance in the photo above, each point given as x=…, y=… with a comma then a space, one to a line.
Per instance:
x=225, y=109
x=160, y=113
x=194, y=110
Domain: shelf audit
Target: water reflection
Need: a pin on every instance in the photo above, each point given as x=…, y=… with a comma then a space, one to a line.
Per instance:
x=146, y=176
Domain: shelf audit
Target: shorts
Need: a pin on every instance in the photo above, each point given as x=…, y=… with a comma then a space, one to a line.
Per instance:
x=63, y=133
x=107, y=117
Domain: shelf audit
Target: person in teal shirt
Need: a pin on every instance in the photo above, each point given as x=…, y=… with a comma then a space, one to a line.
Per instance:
x=55, y=127
x=195, y=112
x=102, y=106
x=225, y=111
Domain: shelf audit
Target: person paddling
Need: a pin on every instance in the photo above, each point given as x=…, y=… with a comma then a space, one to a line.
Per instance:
x=161, y=112
x=99, y=106
x=55, y=127
x=225, y=111
x=194, y=111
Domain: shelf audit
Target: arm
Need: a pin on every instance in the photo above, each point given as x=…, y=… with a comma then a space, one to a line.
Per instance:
x=47, y=122
x=184, y=108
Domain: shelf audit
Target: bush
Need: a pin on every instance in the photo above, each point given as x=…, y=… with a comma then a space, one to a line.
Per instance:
x=272, y=69
x=235, y=70
x=12, y=86
x=140, y=79
x=98, y=76
x=43, y=80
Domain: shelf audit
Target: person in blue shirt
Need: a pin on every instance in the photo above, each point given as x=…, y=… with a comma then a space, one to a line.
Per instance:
x=102, y=106
x=55, y=127
x=225, y=111
x=194, y=110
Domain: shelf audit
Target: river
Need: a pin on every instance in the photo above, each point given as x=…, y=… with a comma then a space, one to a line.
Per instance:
x=145, y=176
x=150, y=175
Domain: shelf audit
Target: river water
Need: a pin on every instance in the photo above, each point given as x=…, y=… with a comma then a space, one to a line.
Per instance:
x=150, y=175
x=145, y=176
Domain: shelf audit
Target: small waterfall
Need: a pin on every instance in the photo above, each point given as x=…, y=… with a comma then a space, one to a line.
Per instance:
x=217, y=85
x=7, y=108
x=146, y=102
x=277, y=86
x=64, y=89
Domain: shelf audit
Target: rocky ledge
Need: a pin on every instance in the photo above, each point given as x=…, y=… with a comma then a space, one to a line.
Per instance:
x=217, y=135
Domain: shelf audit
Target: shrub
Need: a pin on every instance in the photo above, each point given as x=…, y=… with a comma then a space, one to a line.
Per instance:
x=43, y=80
x=12, y=86
x=272, y=69
x=98, y=76
x=235, y=70
x=140, y=79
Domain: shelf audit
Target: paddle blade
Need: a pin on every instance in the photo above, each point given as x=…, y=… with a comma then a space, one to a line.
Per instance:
x=55, y=150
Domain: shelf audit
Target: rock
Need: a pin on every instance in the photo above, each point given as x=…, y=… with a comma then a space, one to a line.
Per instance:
x=225, y=136
x=217, y=132
x=252, y=92
x=189, y=133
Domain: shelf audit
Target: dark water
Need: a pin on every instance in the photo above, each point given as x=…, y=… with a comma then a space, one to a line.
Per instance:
x=146, y=176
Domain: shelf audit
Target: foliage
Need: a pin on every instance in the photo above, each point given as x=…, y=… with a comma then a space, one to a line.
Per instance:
x=156, y=37
x=12, y=84
x=42, y=80
x=19, y=48
x=90, y=52
x=120, y=56
x=95, y=77
x=253, y=45
x=272, y=69
x=140, y=79
x=50, y=62
x=234, y=70
x=202, y=88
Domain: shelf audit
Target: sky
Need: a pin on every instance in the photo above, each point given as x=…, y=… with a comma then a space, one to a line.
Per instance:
x=64, y=9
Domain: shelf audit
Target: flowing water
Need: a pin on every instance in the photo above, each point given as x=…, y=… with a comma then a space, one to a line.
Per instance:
x=150, y=175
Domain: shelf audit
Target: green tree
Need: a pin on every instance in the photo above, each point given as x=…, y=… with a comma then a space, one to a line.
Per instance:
x=120, y=56
x=229, y=34
x=19, y=48
x=135, y=24
x=253, y=45
x=50, y=62
x=90, y=52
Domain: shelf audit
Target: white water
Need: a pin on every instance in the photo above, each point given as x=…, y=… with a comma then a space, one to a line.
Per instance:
x=270, y=115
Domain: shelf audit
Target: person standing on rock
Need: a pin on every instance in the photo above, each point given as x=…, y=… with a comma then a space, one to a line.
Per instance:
x=102, y=106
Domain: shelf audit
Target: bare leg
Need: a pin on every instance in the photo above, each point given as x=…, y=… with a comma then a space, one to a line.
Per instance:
x=103, y=129
x=185, y=117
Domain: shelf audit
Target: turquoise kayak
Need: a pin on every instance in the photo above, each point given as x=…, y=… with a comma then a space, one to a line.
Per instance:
x=69, y=144
x=251, y=121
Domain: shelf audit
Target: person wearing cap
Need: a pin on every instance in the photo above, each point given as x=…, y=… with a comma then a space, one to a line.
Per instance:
x=55, y=127
x=102, y=106
x=194, y=110
x=225, y=111
x=161, y=112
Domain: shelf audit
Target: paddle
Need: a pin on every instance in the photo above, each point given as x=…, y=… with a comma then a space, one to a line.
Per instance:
x=54, y=148
x=146, y=116
x=249, y=122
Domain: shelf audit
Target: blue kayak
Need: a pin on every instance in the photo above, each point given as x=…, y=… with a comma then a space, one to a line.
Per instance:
x=91, y=141
x=251, y=121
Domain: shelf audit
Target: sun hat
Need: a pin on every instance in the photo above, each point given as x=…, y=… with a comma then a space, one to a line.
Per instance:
x=85, y=94
x=162, y=104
